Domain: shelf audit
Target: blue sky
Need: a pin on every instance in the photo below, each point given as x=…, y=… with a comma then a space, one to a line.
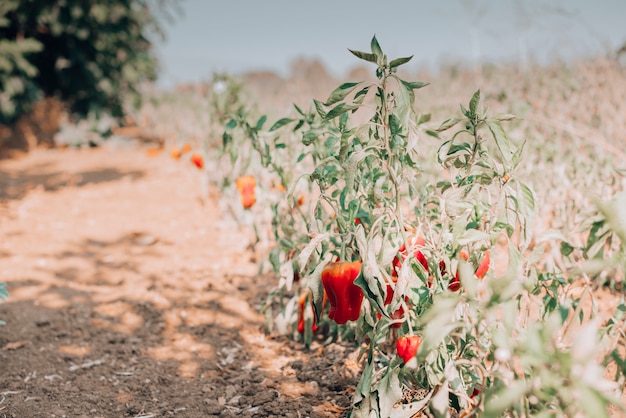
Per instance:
x=244, y=35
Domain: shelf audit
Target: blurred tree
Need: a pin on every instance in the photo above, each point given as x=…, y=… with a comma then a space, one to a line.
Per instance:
x=90, y=54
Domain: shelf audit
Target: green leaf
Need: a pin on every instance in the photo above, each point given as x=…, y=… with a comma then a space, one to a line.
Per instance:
x=376, y=49
x=364, y=56
x=340, y=93
x=389, y=391
x=423, y=118
x=437, y=322
x=528, y=197
x=307, y=251
x=502, y=141
x=504, y=117
x=440, y=401
x=593, y=403
x=314, y=283
x=280, y=123
x=405, y=105
x=231, y=124
x=360, y=95
x=447, y=124
x=260, y=122
x=474, y=103
x=298, y=125
x=566, y=248
x=340, y=109
x=399, y=61
x=414, y=85
x=320, y=108
x=517, y=156
x=412, y=409
x=308, y=137
x=472, y=235
x=365, y=384
x=299, y=110
x=432, y=133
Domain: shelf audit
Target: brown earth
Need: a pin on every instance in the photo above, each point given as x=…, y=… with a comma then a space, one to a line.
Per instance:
x=129, y=296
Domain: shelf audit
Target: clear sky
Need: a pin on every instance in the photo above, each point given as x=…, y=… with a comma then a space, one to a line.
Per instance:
x=243, y=35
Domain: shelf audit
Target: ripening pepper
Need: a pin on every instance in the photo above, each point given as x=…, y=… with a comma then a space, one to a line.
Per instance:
x=399, y=313
x=483, y=267
x=301, y=304
x=186, y=148
x=246, y=185
x=197, y=160
x=407, y=346
x=414, y=242
x=175, y=153
x=344, y=296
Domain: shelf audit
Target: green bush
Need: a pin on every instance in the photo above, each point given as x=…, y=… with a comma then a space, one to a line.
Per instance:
x=92, y=55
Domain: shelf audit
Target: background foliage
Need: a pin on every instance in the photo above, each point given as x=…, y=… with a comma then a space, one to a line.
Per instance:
x=92, y=55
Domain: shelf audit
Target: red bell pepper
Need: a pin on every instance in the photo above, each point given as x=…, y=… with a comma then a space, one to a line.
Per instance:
x=483, y=267
x=407, y=346
x=197, y=160
x=399, y=313
x=301, y=304
x=416, y=243
x=344, y=296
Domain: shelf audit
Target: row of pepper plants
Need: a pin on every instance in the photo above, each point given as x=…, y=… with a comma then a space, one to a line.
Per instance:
x=431, y=270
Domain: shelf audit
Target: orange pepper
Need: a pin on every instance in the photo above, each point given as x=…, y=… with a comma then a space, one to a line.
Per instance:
x=246, y=185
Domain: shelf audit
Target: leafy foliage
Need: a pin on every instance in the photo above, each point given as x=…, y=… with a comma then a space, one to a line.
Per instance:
x=92, y=55
x=441, y=215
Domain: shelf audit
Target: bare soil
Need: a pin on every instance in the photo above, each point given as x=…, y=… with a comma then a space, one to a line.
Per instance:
x=129, y=296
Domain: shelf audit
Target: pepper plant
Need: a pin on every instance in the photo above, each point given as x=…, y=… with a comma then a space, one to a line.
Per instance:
x=425, y=251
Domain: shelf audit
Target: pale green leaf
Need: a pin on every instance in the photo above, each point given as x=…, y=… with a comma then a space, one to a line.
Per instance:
x=399, y=61
x=474, y=104
x=447, y=124
x=280, y=123
x=376, y=49
x=340, y=93
x=364, y=56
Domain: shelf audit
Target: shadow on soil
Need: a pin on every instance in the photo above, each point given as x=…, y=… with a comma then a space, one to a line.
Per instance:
x=17, y=184
x=97, y=335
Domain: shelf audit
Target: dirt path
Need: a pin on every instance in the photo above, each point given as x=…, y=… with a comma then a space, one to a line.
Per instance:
x=129, y=297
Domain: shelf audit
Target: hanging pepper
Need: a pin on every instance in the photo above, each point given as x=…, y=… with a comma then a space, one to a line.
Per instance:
x=246, y=185
x=301, y=304
x=407, y=346
x=399, y=313
x=344, y=296
x=197, y=160
x=414, y=242
x=483, y=267
x=175, y=153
